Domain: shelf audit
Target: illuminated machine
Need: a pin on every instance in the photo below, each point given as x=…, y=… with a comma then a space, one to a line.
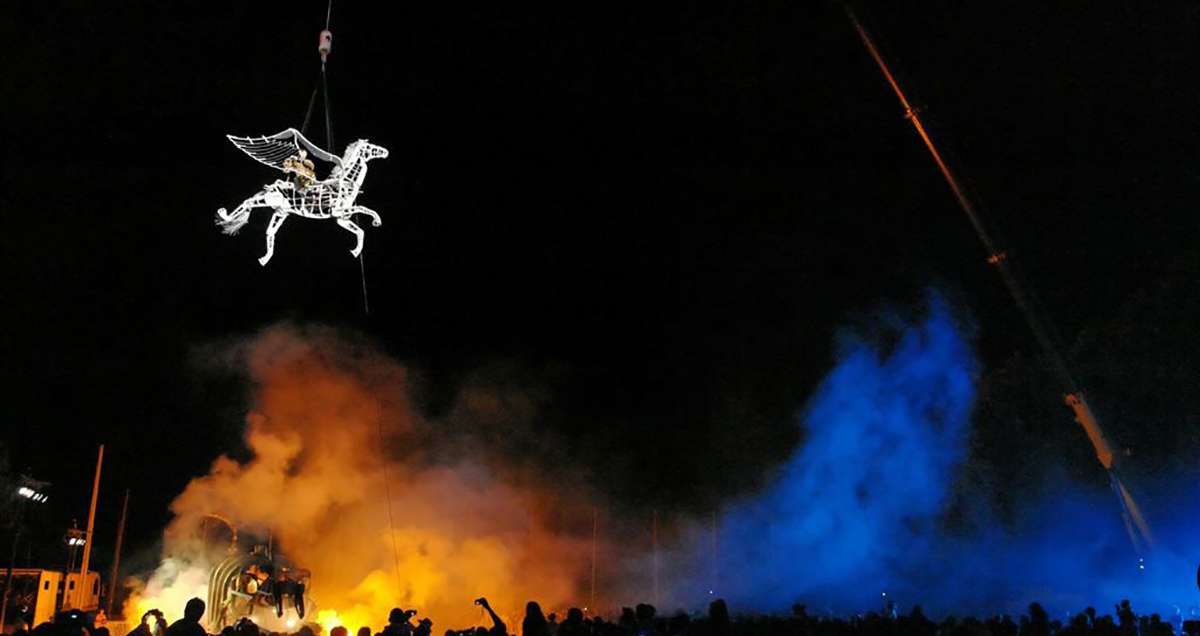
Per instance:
x=36, y=595
x=245, y=584
x=252, y=584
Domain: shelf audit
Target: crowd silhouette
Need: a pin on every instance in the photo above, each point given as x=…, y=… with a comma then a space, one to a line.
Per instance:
x=644, y=620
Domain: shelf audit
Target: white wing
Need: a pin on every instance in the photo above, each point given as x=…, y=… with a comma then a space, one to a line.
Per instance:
x=274, y=149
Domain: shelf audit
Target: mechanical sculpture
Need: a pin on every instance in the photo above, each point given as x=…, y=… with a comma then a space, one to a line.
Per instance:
x=243, y=584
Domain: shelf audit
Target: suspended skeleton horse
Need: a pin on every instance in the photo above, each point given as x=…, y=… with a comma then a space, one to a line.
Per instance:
x=304, y=194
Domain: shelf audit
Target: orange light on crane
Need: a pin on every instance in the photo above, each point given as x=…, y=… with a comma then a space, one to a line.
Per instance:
x=1135, y=523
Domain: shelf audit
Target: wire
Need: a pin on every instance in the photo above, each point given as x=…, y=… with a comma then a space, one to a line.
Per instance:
x=387, y=489
x=312, y=101
x=362, y=270
x=328, y=115
x=322, y=86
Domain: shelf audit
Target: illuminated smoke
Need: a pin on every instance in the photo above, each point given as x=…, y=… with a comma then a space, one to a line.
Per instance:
x=883, y=437
x=860, y=509
x=314, y=481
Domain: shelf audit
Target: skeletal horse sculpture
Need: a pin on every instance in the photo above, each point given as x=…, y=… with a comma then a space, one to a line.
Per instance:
x=305, y=195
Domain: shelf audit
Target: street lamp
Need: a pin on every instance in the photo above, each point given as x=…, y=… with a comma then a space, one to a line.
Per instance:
x=28, y=490
x=75, y=539
x=32, y=494
x=32, y=489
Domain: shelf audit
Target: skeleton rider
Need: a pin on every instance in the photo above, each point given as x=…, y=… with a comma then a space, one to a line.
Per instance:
x=302, y=168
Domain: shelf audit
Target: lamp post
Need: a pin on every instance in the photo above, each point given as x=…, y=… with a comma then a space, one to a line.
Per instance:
x=91, y=524
x=75, y=539
x=28, y=491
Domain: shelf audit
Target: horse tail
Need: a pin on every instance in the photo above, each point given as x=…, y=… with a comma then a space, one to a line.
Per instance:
x=232, y=223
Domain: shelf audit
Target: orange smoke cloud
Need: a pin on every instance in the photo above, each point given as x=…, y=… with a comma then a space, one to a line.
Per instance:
x=331, y=432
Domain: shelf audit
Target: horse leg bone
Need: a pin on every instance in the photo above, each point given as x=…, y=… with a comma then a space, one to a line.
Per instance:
x=358, y=232
x=224, y=214
x=233, y=223
x=253, y=202
x=277, y=220
x=375, y=220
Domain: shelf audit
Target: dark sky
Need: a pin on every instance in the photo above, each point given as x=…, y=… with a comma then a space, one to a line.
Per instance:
x=663, y=212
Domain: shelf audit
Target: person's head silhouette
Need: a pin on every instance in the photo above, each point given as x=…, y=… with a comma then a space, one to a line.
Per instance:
x=194, y=610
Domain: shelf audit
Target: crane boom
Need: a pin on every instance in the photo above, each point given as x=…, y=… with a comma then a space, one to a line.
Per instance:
x=1073, y=395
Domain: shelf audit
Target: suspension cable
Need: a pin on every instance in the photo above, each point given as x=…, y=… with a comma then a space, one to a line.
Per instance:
x=324, y=47
x=387, y=491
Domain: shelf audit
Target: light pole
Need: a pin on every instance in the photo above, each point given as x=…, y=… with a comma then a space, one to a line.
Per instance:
x=91, y=524
x=75, y=539
x=28, y=491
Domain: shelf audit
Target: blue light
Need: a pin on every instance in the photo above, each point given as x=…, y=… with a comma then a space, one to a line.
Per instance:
x=863, y=499
x=884, y=436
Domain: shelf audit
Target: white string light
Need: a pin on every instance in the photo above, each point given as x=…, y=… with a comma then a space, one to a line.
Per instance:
x=305, y=194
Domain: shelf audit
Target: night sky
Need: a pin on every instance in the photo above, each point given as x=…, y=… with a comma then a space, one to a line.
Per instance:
x=661, y=213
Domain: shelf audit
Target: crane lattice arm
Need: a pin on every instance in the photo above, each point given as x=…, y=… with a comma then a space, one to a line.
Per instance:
x=1135, y=523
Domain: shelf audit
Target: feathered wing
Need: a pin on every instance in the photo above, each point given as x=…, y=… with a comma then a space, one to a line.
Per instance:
x=272, y=150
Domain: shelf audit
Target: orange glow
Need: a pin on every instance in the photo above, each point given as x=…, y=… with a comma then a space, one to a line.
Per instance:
x=315, y=481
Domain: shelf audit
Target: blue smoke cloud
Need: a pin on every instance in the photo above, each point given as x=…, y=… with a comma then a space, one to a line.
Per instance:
x=859, y=509
x=883, y=438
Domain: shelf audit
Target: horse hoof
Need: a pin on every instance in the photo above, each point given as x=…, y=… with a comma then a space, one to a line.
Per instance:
x=263, y=261
x=377, y=223
x=221, y=212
